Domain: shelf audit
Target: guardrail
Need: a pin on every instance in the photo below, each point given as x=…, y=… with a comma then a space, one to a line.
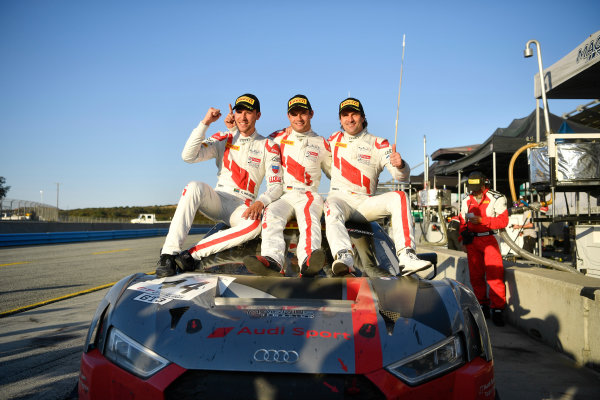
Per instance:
x=24, y=239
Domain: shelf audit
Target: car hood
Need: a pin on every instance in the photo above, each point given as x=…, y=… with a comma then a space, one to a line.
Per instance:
x=251, y=323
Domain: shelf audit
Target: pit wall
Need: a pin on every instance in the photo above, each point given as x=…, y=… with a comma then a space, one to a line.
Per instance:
x=558, y=308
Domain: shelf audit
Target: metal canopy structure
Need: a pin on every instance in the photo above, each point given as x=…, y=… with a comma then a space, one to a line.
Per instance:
x=576, y=75
x=499, y=149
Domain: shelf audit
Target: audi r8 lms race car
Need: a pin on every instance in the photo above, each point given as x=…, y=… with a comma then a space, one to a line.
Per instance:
x=222, y=332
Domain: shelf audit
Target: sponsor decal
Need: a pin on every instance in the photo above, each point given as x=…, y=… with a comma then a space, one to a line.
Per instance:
x=296, y=100
x=320, y=334
x=276, y=356
x=164, y=290
x=487, y=389
x=274, y=179
x=312, y=154
x=275, y=168
x=339, y=144
x=312, y=146
x=280, y=314
x=364, y=159
x=368, y=330
x=254, y=162
x=193, y=326
x=589, y=50
x=281, y=331
x=350, y=103
x=246, y=99
x=384, y=143
x=232, y=147
x=288, y=142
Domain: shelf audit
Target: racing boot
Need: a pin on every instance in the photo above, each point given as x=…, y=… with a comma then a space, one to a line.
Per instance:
x=264, y=266
x=343, y=265
x=166, y=266
x=411, y=263
x=497, y=317
x=185, y=261
x=313, y=263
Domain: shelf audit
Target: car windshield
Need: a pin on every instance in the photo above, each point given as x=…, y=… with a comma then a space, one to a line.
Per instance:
x=374, y=253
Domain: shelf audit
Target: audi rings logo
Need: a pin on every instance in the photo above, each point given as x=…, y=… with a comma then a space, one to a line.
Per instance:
x=276, y=356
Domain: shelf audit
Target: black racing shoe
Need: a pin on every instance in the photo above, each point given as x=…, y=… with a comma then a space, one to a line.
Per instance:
x=185, y=261
x=166, y=266
x=264, y=266
x=486, y=311
x=497, y=317
x=313, y=263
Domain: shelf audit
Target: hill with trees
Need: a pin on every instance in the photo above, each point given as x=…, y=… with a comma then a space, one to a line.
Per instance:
x=163, y=213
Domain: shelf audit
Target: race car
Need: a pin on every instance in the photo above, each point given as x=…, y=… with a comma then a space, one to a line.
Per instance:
x=221, y=332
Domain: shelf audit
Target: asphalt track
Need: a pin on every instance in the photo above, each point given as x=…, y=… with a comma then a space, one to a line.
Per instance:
x=49, y=294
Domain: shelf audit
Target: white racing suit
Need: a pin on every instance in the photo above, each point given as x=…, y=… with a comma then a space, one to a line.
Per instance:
x=357, y=162
x=242, y=164
x=303, y=156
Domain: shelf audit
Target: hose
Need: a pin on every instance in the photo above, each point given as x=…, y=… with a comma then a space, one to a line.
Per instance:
x=532, y=257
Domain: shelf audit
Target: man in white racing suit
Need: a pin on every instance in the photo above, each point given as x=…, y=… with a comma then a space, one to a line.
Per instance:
x=243, y=158
x=303, y=155
x=358, y=159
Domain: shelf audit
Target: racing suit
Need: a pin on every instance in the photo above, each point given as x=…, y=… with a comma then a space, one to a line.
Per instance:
x=357, y=162
x=242, y=164
x=483, y=253
x=303, y=156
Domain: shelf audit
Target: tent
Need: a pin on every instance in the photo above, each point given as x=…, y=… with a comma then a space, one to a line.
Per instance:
x=576, y=75
x=501, y=146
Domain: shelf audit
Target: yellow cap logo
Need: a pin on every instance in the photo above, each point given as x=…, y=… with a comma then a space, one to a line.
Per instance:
x=245, y=99
x=350, y=103
x=475, y=181
x=296, y=100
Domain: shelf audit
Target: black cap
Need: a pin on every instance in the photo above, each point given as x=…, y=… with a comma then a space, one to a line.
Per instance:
x=475, y=181
x=351, y=104
x=299, y=101
x=247, y=101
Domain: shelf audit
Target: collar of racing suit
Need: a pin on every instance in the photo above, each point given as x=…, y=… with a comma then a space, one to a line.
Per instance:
x=352, y=138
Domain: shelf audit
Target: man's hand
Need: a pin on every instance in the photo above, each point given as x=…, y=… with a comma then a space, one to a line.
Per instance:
x=230, y=119
x=254, y=211
x=211, y=116
x=395, y=158
x=475, y=219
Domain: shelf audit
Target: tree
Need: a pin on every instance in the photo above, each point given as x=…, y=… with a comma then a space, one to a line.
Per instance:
x=3, y=188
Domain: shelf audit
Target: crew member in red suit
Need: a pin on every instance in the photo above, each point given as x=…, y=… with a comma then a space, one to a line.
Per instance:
x=482, y=213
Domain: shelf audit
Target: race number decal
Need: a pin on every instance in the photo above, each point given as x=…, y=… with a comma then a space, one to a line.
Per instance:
x=163, y=290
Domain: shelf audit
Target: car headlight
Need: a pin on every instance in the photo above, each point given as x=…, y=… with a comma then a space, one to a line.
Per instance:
x=429, y=363
x=132, y=356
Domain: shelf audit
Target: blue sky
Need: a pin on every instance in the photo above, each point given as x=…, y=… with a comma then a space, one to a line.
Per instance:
x=101, y=96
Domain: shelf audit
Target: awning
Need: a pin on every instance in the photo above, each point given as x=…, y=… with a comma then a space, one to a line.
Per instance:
x=575, y=76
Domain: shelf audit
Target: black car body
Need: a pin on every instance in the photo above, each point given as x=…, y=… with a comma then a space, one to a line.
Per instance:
x=221, y=332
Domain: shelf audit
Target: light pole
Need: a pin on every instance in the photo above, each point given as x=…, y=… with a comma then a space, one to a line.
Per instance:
x=528, y=53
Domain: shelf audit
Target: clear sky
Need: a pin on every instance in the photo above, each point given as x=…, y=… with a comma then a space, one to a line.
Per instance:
x=100, y=96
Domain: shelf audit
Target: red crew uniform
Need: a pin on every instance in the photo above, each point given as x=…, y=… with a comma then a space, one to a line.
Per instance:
x=243, y=163
x=483, y=254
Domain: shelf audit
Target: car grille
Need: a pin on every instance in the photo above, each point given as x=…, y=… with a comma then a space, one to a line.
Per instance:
x=196, y=384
